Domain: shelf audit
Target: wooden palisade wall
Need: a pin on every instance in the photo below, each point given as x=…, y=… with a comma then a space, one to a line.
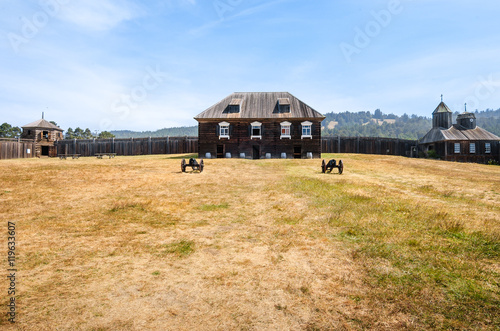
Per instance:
x=16, y=149
x=129, y=146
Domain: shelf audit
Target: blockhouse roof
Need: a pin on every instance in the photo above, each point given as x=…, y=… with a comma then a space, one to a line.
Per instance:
x=442, y=108
x=255, y=105
x=42, y=124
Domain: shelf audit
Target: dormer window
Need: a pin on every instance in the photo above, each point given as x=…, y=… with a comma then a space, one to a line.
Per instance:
x=284, y=105
x=234, y=106
x=306, y=130
x=256, y=130
x=285, y=130
x=224, y=130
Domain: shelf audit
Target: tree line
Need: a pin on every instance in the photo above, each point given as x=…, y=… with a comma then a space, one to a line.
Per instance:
x=189, y=131
x=9, y=131
x=79, y=133
x=378, y=124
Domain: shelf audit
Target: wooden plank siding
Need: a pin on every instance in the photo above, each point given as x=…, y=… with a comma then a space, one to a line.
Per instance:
x=240, y=140
x=16, y=149
x=368, y=145
x=131, y=146
x=446, y=151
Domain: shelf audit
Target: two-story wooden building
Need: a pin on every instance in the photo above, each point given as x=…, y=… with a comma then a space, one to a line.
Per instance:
x=260, y=125
x=461, y=142
x=44, y=134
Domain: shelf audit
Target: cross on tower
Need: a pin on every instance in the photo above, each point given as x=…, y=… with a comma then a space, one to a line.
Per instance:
x=441, y=98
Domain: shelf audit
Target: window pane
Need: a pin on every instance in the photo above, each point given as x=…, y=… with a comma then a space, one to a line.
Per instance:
x=472, y=148
x=487, y=148
x=457, y=148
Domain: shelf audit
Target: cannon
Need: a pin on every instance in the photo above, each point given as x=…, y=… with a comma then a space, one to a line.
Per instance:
x=193, y=164
x=332, y=164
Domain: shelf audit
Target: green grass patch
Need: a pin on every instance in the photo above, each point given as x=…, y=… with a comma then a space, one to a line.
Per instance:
x=412, y=254
x=182, y=248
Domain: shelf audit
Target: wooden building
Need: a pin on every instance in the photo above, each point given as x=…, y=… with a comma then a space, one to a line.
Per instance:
x=44, y=134
x=460, y=142
x=260, y=125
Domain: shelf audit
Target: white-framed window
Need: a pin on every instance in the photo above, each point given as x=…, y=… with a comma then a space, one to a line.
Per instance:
x=472, y=148
x=487, y=148
x=256, y=130
x=306, y=130
x=457, y=148
x=285, y=130
x=223, y=130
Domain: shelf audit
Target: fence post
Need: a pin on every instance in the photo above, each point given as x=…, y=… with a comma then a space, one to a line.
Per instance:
x=150, y=147
x=168, y=144
x=338, y=145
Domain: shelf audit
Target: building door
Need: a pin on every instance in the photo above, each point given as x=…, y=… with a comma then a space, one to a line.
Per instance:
x=297, y=152
x=220, y=151
x=45, y=150
x=256, y=152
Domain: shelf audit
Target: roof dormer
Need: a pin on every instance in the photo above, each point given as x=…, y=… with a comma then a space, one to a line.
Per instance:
x=234, y=106
x=284, y=105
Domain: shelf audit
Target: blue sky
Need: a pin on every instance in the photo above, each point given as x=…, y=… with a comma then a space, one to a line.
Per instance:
x=135, y=65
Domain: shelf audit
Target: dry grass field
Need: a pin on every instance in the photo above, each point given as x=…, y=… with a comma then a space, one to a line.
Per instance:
x=132, y=243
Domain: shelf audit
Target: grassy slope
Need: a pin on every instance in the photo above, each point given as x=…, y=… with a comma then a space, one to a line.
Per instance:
x=132, y=243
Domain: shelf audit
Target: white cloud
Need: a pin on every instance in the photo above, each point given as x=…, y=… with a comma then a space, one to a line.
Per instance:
x=99, y=15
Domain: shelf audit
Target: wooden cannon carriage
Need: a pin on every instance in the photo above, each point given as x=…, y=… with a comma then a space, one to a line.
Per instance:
x=328, y=167
x=193, y=164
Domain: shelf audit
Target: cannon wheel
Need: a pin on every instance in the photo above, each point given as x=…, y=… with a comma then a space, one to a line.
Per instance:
x=183, y=165
x=201, y=166
x=341, y=167
x=323, y=166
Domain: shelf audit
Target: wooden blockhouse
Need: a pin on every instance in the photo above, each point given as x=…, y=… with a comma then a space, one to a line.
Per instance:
x=460, y=142
x=44, y=134
x=260, y=125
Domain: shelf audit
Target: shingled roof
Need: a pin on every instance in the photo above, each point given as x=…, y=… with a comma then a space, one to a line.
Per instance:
x=457, y=132
x=42, y=124
x=255, y=105
x=442, y=108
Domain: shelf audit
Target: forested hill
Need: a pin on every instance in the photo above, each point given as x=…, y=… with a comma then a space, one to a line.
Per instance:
x=378, y=124
x=363, y=124
x=172, y=132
